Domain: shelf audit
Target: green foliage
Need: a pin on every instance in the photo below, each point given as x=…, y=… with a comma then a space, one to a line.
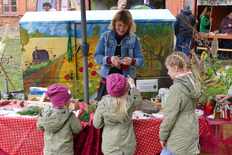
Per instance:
x=144, y=68
x=23, y=49
x=149, y=95
x=96, y=31
x=215, y=80
x=89, y=109
x=38, y=34
x=35, y=68
x=158, y=66
x=24, y=39
x=13, y=69
x=156, y=45
x=32, y=111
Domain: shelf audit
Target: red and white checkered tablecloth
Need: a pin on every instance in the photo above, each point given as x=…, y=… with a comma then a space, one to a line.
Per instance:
x=20, y=136
x=147, y=135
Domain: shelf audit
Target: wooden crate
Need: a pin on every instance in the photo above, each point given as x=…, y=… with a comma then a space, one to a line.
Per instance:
x=30, y=96
x=75, y=105
x=35, y=101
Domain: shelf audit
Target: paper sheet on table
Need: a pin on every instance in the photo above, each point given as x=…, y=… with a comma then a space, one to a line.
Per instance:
x=158, y=115
x=4, y=112
x=76, y=113
x=139, y=115
x=13, y=114
x=210, y=116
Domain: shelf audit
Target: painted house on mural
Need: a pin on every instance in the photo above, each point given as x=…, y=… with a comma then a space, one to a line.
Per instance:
x=46, y=58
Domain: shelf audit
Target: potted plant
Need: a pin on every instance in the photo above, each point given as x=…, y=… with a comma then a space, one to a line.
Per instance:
x=214, y=80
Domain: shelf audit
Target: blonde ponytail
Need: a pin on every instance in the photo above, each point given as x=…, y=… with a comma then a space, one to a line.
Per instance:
x=120, y=108
x=182, y=61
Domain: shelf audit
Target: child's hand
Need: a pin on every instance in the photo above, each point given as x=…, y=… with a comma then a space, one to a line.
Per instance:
x=130, y=80
x=163, y=144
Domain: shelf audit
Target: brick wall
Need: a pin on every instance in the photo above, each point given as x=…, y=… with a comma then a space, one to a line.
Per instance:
x=13, y=20
x=31, y=5
x=167, y=2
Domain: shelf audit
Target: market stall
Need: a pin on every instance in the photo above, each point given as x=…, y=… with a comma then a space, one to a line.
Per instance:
x=221, y=9
x=20, y=135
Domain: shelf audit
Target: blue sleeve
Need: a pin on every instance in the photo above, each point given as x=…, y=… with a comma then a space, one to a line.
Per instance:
x=138, y=55
x=99, y=55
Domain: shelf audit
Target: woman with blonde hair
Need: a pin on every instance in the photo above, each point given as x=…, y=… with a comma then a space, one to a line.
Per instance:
x=114, y=115
x=118, y=50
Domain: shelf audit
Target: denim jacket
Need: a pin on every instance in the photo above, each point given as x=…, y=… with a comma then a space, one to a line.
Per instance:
x=107, y=46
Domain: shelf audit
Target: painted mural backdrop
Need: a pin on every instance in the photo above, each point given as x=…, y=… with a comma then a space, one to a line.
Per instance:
x=46, y=58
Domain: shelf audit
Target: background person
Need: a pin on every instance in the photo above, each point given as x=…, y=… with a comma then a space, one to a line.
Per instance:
x=114, y=8
x=205, y=22
x=121, y=4
x=114, y=115
x=58, y=122
x=179, y=131
x=182, y=31
x=225, y=97
x=46, y=6
x=118, y=50
x=226, y=25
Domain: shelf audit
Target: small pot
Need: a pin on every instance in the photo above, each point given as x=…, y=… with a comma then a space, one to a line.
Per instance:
x=209, y=107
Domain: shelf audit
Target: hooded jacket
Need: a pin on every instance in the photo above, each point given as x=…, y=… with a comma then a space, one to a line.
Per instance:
x=117, y=137
x=59, y=126
x=205, y=24
x=181, y=28
x=180, y=127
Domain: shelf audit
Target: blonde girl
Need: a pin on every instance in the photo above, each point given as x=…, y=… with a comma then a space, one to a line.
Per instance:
x=114, y=115
x=179, y=131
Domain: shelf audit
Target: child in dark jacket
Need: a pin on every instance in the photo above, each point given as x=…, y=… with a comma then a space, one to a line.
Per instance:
x=58, y=122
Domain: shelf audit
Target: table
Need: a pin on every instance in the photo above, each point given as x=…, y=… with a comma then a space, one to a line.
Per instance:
x=219, y=36
x=211, y=37
x=147, y=135
x=217, y=137
x=20, y=136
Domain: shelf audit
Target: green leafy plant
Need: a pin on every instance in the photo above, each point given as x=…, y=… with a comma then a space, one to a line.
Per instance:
x=32, y=111
x=89, y=109
x=214, y=81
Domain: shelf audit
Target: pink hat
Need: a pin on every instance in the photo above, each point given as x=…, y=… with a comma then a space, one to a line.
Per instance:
x=58, y=94
x=116, y=85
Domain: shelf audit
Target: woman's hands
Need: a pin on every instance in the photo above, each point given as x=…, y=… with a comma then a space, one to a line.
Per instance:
x=115, y=61
x=126, y=61
x=222, y=97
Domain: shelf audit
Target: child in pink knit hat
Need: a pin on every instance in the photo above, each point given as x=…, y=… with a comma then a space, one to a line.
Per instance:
x=58, y=122
x=114, y=115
